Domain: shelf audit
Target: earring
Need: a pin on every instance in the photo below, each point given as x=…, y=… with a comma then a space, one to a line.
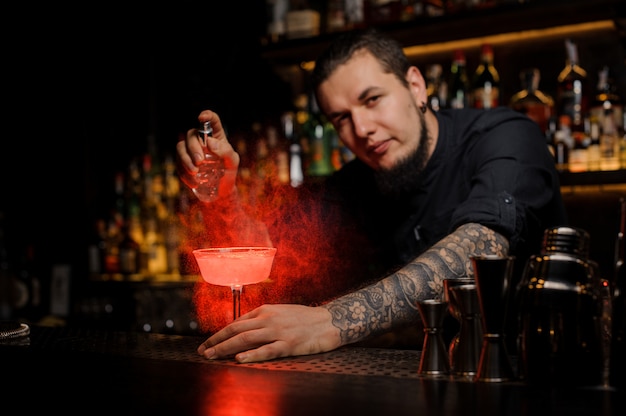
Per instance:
x=423, y=107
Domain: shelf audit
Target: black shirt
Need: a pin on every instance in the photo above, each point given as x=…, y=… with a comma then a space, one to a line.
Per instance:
x=490, y=167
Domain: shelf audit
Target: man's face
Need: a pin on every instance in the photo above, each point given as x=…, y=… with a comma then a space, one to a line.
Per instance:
x=376, y=116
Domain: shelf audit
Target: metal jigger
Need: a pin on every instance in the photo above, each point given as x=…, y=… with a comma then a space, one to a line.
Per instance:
x=493, y=277
x=434, y=358
x=453, y=309
x=467, y=353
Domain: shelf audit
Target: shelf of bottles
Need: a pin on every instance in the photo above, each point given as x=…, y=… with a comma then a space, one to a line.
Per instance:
x=140, y=236
x=583, y=123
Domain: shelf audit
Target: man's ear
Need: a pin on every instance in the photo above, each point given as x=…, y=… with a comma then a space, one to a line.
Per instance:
x=417, y=84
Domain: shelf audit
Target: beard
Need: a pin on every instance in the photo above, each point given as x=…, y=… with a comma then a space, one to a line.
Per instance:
x=405, y=176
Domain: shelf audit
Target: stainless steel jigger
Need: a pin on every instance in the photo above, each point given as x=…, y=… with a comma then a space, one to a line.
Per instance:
x=434, y=359
x=493, y=278
x=453, y=309
x=467, y=353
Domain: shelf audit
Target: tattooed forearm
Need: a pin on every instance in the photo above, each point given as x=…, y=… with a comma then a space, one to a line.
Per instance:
x=391, y=302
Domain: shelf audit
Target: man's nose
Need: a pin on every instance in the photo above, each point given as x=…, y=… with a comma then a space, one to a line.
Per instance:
x=363, y=126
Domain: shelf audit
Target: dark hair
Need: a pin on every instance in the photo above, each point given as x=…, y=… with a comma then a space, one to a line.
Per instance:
x=386, y=50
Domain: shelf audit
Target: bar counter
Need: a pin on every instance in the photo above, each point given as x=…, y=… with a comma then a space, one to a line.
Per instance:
x=80, y=371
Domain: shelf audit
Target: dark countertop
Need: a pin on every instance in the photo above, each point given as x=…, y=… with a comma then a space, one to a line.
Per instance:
x=79, y=371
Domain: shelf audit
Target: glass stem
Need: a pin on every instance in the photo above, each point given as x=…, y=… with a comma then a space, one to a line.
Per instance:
x=236, y=301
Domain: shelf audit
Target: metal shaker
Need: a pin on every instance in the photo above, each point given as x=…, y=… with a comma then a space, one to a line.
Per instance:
x=434, y=358
x=454, y=312
x=560, y=312
x=465, y=357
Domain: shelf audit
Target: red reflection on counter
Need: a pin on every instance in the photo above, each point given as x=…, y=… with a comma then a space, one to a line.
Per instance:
x=230, y=394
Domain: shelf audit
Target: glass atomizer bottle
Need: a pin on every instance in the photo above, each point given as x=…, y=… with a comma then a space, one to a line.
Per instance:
x=211, y=169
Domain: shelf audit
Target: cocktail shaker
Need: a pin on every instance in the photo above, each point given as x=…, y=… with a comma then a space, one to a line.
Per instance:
x=561, y=342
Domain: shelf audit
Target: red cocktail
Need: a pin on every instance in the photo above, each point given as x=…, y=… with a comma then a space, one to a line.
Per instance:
x=235, y=267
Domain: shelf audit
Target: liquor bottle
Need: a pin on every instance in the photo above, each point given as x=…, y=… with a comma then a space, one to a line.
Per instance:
x=296, y=174
x=573, y=90
x=96, y=256
x=606, y=102
x=550, y=136
x=486, y=81
x=436, y=88
x=262, y=162
x=593, y=151
x=335, y=16
x=261, y=168
x=320, y=132
x=171, y=182
x=171, y=224
x=458, y=88
x=433, y=8
x=617, y=372
x=278, y=154
x=153, y=251
x=113, y=238
x=302, y=120
x=533, y=102
x=609, y=144
x=129, y=252
x=246, y=162
x=607, y=110
x=563, y=144
x=119, y=209
x=579, y=155
x=172, y=240
x=134, y=187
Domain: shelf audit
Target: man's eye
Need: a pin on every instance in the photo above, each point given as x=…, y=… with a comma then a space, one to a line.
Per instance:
x=372, y=100
x=340, y=119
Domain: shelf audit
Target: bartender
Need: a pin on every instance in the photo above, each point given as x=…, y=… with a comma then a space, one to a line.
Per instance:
x=426, y=191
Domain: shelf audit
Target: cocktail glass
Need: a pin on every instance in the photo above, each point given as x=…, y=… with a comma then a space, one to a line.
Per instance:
x=235, y=267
